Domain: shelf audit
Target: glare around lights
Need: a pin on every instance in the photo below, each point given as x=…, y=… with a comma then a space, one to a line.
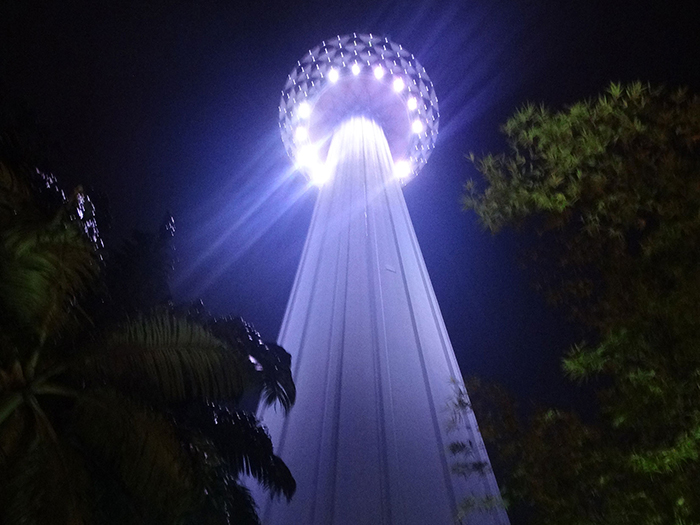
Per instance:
x=304, y=110
x=301, y=133
x=337, y=66
x=402, y=169
x=307, y=157
x=319, y=174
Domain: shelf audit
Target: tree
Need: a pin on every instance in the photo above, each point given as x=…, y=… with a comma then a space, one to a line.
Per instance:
x=464, y=461
x=130, y=421
x=611, y=188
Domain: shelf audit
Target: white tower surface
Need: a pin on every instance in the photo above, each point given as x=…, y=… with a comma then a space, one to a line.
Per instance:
x=367, y=439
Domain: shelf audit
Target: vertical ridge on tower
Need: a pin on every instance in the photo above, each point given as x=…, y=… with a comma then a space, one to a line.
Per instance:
x=375, y=371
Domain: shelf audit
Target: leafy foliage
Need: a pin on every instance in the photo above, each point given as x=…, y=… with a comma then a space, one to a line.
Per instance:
x=271, y=363
x=113, y=419
x=611, y=187
x=168, y=359
x=465, y=462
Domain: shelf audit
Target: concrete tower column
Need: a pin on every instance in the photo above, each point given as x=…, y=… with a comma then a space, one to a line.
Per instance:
x=375, y=371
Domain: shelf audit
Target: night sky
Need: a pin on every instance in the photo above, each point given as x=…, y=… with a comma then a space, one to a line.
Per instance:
x=171, y=106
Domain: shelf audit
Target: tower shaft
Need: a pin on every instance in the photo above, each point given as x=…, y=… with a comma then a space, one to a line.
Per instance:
x=367, y=439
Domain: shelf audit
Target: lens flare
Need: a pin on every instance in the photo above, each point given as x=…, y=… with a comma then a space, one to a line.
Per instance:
x=402, y=169
x=328, y=86
x=361, y=269
x=301, y=133
x=304, y=110
x=307, y=157
x=319, y=174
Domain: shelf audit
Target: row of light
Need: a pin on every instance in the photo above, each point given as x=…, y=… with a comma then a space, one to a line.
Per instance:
x=398, y=84
x=304, y=109
x=307, y=156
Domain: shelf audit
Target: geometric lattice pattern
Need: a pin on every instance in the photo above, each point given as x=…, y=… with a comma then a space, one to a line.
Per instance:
x=346, y=55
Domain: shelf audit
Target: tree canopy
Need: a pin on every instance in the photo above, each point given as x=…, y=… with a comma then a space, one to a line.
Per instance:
x=117, y=406
x=611, y=186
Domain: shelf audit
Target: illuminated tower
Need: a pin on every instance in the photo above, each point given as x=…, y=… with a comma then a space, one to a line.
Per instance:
x=375, y=371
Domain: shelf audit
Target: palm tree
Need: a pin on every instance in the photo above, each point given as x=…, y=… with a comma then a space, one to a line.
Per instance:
x=117, y=422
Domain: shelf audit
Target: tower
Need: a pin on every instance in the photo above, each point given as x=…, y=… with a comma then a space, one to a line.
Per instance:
x=367, y=439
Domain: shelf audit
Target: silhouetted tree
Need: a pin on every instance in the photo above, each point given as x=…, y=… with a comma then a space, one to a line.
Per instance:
x=133, y=421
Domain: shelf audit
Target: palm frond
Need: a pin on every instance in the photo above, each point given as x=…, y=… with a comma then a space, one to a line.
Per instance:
x=272, y=364
x=14, y=191
x=45, y=484
x=225, y=501
x=278, y=385
x=43, y=268
x=229, y=504
x=167, y=358
x=15, y=436
x=47, y=245
x=241, y=505
x=245, y=446
x=141, y=448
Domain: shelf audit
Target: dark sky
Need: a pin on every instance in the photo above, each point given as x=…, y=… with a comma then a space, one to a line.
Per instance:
x=171, y=105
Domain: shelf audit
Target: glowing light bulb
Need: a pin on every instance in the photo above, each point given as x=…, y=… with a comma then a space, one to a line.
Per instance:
x=399, y=84
x=417, y=126
x=306, y=157
x=304, y=110
x=301, y=133
x=378, y=72
x=355, y=69
x=319, y=174
x=307, y=160
x=333, y=75
x=402, y=169
x=412, y=103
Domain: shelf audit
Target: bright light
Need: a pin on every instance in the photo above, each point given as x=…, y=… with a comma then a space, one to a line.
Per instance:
x=412, y=103
x=355, y=69
x=399, y=85
x=417, y=126
x=319, y=174
x=379, y=72
x=402, y=169
x=307, y=157
x=304, y=110
x=307, y=160
x=301, y=133
x=333, y=75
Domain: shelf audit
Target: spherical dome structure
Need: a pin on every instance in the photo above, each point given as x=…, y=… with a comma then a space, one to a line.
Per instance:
x=359, y=74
